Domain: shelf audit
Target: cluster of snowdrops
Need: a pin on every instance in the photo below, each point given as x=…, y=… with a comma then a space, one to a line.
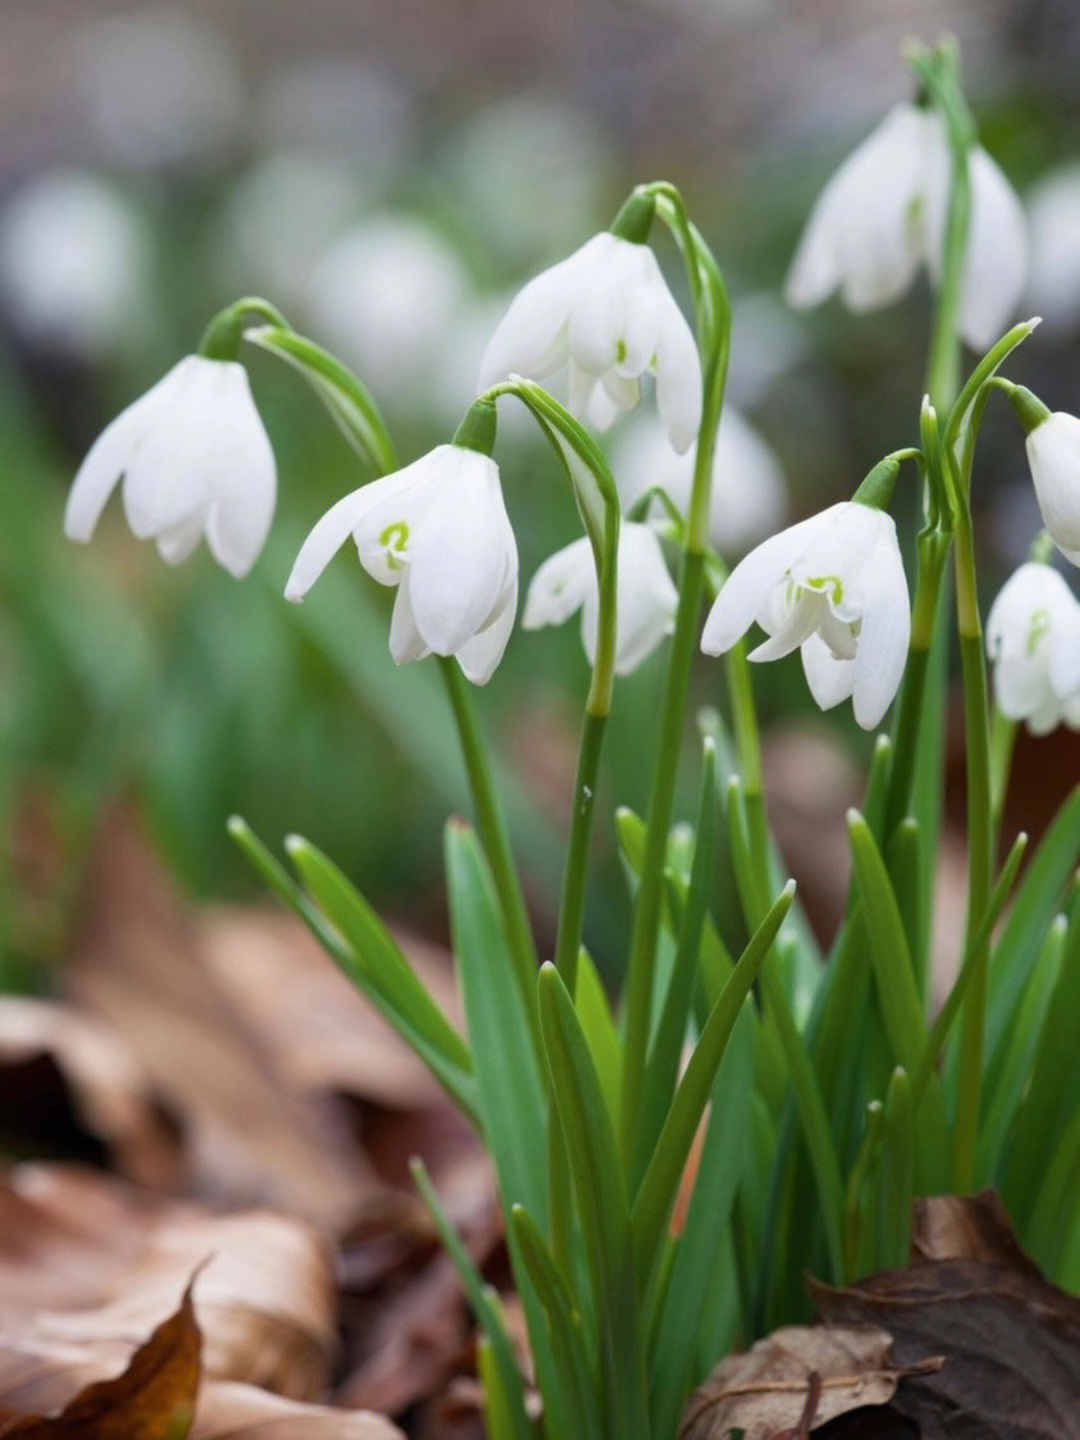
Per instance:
x=801, y=1077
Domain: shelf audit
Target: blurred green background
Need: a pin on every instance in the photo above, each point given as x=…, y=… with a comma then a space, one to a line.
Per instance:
x=387, y=173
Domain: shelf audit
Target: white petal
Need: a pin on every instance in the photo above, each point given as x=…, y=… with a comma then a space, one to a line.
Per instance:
x=678, y=379
x=531, y=340
x=325, y=540
x=460, y=555
x=479, y=656
x=406, y=642
x=745, y=594
x=1053, y=450
x=242, y=478
x=830, y=680
x=174, y=546
x=606, y=282
x=996, y=266
x=560, y=586
x=646, y=597
x=105, y=462
x=864, y=233
x=885, y=634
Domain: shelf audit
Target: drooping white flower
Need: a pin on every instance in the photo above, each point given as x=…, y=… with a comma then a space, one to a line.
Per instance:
x=834, y=587
x=194, y=460
x=608, y=314
x=883, y=215
x=645, y=603
x=749, y=497
x=1033, y=639
x=439, y=531
x=1053, y=450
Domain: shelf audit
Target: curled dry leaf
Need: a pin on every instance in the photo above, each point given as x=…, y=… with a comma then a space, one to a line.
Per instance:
x=90, y=1071
x=153, y=1398
x=85, y=1267
x=764, y=1391
x=1010, y=1340
x=239, y=1412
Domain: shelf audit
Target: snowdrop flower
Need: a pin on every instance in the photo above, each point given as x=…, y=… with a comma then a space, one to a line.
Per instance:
x=645, y=603
x=195, y=460
x=607, y=313
x=1053, y=450
x=1053, y=208
x=1033, y=639
x=834, y=587
x=883, y=214
x=438, y=530
x=749, y=497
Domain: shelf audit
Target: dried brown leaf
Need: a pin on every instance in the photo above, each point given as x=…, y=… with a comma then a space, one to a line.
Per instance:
x=1010, y=1339
x=152, y=1399
x=228, y=1411
x=764, y=1391
x=86, y=1265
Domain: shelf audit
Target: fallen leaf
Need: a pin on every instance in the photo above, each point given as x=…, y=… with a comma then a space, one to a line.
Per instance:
x=1010, y=1339
x=153, y=1398
x=239, y=1412
x=86, y=1265
x=764, y=1391
x=62, y=1072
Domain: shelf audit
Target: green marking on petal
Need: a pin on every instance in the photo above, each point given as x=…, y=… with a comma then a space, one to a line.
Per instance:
x=395, y=541
x=1038, y=629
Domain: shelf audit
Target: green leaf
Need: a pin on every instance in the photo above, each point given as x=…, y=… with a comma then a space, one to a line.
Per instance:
x=358, y=943
x=1038, y=899
x=676, y=1339
x=652, y=1207
x=600, y=1189
x=598, y=1023
x=568, y=1344
x=349, y=402
x=505, y=1397
x=896, y=1175
x=1006, y=1083
x=513, y=1106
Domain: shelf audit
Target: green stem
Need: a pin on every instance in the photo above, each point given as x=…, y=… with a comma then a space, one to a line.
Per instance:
x=491, y=826
x=980, y=849
x=575, y=873
x=646, y=922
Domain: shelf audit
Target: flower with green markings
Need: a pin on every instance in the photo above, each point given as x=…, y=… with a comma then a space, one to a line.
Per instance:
x=883, y=214
x=194, y=460
x=646, y=598
x=834, y=588
x=1033, y=640
x=437, y=530
x=606, y=312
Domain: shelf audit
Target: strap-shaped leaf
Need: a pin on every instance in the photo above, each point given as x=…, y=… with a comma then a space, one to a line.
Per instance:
x=506, y=1397
x=652, y=1207
x=513, y=1106
x=600, y=1190
x=376, y=967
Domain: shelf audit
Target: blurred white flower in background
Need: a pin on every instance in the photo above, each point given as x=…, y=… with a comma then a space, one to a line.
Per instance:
x=749, y=495
x=192, y=459
x=437, y=530
x=834, y=588
x=607, y=315
x=1053, y=451
x=160, y=87
x=387, y=297
x=287, y=208
x=883, y=214
x=645, y=601
x=532, y=176
x=766, y=342
x=1054, y=224
x=343, y=107
x=1033, y=640
x=77, y=266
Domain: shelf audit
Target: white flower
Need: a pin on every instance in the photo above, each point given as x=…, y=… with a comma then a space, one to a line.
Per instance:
x=1033, y=638
x=749, y=498
x=833, y=586
x=883, y=214
x=195, y=460
x=439, y=531
x=1053, y=450
x=607, y=313
x=645, y=604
